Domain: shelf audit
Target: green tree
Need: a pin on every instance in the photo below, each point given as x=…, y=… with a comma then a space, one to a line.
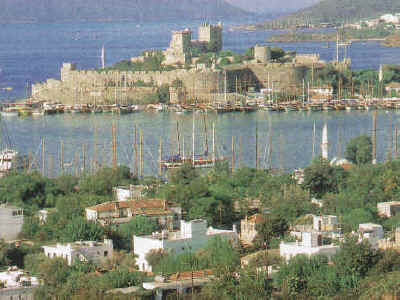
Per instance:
x=78, y=229
x=353, y=261
x=139, y=225
x=163, y=93
x=272, y=226
x=277, y=53
x=295, y=277
x=359, y=150
x=321, y=178
x=224, y=62
x=105, y=179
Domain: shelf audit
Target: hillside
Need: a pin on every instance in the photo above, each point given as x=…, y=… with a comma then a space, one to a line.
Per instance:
x=272, y=6
x=15, y=11
x=333, y=11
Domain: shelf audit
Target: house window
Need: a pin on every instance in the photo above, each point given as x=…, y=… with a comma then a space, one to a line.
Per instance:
x=105, y=253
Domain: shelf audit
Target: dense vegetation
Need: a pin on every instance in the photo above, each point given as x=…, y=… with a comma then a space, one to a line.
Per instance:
x=151, y=62
x=348, y=84
x=338, y=11
x=222, y=198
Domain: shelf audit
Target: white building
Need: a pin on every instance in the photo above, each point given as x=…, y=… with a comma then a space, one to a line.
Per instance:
x=88, y=251
x=390, y=18
x=192, y=236
x=11, y=221
x=388, y=209
x=16, y=284
x=325, y=223
x=311, y=244
x=370, y=232
x=131, y=192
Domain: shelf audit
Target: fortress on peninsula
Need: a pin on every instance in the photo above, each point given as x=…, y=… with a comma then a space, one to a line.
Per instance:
x=191, y=71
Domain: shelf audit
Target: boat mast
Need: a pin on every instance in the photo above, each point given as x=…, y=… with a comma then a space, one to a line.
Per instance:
x=206, y=135
x=178, y=138
x=135, y=150
x=160, y=159
x=313, y=141
x=225, y=88
x=114, y=146
x=62, y=157
x=324, y=145
x=213, y=144
x=396, y=135
x=141, y=153
x=256, y=146
x=183, y=148
x=193, y=142
x=103, y=58
x=233, y=153
x=374, y=139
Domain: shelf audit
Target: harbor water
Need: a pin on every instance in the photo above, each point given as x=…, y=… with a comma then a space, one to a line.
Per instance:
x=35, y=52
x=90, y=136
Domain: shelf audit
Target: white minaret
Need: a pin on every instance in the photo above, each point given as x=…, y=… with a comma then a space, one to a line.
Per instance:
x=380, y=73
x=324, y=145
x=103, y=58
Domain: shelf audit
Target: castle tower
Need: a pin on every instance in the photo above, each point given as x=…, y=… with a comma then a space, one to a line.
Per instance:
x=324, y=145
x=262, y=53
x=212, y=35
x=66, y=71
x=181, y=41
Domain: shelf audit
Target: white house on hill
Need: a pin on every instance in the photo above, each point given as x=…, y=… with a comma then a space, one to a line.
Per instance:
x=311, y=244
x=89, y=251
x=192, y=236
x=370, y=232
x=17, y=284
x=11, y=221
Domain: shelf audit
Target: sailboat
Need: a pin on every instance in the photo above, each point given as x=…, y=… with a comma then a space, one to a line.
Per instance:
x=10, y=160
x=202, y=160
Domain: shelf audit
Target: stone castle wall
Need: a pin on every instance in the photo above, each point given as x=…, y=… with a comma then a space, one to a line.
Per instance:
x=88, y=86
x=196, y=85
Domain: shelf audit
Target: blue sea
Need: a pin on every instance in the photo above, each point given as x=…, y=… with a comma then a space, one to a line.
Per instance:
x=31, y=53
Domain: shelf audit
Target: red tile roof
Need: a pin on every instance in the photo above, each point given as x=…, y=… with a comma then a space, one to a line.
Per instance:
x=148, y=207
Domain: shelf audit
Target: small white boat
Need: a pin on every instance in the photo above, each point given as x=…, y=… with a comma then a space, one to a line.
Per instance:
x=9, y=113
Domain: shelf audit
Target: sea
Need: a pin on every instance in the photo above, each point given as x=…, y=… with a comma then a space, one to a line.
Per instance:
x=31, y=53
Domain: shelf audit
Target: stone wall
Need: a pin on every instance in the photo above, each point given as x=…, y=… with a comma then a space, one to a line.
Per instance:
x=196, y=85
x=89, y=86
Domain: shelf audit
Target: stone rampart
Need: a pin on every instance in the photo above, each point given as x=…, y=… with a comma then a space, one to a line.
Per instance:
x=88, y=86
x=196, y=85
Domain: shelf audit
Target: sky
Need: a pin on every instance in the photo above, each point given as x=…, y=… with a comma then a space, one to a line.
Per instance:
x=272, y=5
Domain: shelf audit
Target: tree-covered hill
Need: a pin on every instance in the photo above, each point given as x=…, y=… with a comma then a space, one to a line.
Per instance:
x=339, y=10
x=13, y=11
x=334, y=11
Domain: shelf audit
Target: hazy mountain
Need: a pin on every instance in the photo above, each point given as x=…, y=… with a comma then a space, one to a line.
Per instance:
x=115, y=10
x=272, y=6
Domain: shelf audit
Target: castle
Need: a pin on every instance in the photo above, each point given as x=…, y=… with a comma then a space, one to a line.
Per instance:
x=188, y=80
x=182, y=46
